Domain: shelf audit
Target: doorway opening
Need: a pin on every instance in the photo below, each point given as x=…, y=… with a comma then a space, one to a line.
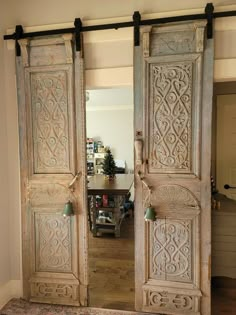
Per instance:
x=224, y=199
x=109, y=123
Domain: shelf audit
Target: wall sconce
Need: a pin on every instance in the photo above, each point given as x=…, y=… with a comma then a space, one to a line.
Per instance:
x=150, y=214
x=68, y=209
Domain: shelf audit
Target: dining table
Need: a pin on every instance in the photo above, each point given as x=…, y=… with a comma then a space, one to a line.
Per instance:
x=103, y=189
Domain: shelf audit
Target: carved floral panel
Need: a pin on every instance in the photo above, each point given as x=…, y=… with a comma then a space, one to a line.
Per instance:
x=50, y=122
x=170, y=117
x=53, y=242
x=174, y=302
x=171, y=250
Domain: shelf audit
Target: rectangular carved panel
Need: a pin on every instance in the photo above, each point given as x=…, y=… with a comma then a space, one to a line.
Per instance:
x=170, y=303
x=170, y=116
x=171, y=250
x=172, y=43
x=57, y=292
x=53, y=243
x=50, y=107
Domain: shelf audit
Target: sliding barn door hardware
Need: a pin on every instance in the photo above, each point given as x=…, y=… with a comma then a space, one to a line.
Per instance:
x=78, y=30
x=18, y=34
x=209, y=10
x=136, y=23
x=137, y=20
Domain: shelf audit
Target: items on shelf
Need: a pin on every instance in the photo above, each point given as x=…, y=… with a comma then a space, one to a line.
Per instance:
x=95, y=156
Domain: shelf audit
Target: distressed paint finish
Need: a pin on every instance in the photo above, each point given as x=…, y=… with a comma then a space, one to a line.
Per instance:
x=54, y=247
x=172, y=109
x=50, y=121
x=170, y=130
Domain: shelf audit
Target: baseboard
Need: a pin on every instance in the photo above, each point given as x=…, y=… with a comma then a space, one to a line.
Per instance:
x=11, y=289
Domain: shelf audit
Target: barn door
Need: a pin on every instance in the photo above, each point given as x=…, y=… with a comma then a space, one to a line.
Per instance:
x=52, y=153
x=173, y=96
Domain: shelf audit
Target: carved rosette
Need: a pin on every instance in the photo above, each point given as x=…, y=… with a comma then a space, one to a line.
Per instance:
x=50, y=122
x=53, y=241
x=170, y=114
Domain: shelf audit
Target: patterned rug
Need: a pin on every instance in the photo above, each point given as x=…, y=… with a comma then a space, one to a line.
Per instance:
x=21, y=307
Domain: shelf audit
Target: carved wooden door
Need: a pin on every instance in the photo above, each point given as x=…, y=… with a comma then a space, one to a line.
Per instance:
x=52, y=153
x=173, y=99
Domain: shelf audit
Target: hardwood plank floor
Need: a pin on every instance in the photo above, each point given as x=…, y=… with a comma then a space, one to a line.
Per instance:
x=223, y=296
x=111, y=269
x=223, y=301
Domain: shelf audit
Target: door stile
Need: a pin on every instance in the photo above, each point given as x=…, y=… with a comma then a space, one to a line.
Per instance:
x=80, y=116
x=24, y=173
x=205, y=250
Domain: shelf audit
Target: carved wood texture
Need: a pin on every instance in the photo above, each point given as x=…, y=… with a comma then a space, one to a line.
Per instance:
x=53, y=241
x=170, y=117
x=53, y=290
x=172, y=302
x=52, y=145
x=171, y=253
x=50, y=122
x=169, y=94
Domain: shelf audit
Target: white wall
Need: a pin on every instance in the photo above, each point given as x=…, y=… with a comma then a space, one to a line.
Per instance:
x=4, y=202
x=115, y=129
x=30, y=13
x=110, y=120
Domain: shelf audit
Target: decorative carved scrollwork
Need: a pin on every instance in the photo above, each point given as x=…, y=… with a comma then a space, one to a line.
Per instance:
x=54, y=290
x=171, y=250
x=53, y=241
x=170, y=301
x=50, y=122
x=170, y=114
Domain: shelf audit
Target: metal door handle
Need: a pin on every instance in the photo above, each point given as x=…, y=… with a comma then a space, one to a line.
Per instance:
x=138, y=145
x=227, y=186
x=70, y=186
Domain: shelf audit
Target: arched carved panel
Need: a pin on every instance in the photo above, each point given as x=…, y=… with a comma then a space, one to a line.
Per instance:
x=48, y=193
x=171, y=197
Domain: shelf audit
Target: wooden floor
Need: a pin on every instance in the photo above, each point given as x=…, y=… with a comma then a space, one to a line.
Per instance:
x=223, y=301
x=111, y=269
x=223, y=296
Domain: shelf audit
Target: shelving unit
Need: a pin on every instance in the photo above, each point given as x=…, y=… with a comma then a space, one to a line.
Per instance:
x=90, y=156
x=98, y=160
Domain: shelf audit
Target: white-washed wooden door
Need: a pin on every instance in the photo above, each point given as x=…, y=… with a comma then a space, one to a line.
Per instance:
x=52, y=151
x=173, y=70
